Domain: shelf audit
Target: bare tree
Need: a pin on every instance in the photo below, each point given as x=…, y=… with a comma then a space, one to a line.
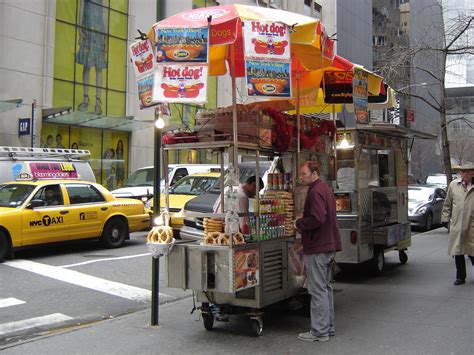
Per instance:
x=428, y=56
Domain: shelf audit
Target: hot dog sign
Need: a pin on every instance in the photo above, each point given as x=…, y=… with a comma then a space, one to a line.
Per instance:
x=180, y=83
x=268, y=40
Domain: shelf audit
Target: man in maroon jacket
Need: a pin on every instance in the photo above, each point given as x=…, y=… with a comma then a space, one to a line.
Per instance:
x=321, y=240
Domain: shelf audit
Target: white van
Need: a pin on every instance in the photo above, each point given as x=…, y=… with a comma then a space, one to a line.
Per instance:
x=140, y=184
x=44, y=163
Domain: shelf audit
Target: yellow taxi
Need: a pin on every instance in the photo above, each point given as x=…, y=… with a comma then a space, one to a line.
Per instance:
x=184, y=190
x=45, y=211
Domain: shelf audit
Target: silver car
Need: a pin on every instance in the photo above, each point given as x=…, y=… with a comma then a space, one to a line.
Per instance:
x=425, y=204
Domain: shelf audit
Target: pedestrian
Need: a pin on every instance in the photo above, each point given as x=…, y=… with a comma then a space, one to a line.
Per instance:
x=458, y=210
x=321, y=240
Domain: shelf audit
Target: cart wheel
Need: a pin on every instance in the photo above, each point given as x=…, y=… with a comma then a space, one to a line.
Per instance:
x=402, y=255
x=377, y=264
x=257, y=327
x=208, y=321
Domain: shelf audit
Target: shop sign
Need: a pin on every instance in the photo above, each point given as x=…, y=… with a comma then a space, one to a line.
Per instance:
x=179, y=83
x=141, y=54
x=266, y=40
x=24, y=127
x=410, y=115
x=360, y=95
x=181, y=45
x=337, y=86
x=265, y=78
x=44, y=170
x=246, y=269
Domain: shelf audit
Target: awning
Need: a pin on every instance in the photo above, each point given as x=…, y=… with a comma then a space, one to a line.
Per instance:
x=7, y=105
x=64, y=115
x=395, y=130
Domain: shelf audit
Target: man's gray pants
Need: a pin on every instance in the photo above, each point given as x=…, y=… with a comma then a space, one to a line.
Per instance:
x=318, y=280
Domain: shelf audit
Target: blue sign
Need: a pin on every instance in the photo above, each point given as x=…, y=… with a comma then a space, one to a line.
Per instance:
x=24, y=126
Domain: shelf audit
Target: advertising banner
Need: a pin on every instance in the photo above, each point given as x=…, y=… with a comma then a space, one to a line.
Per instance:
x=24, y=127
x=46, y=170
x=271, y=79
x=182, y=45
x=180, y=83
x=145, y=92
x=360, y=80
x=246, y=269
x=267, y=40
x=141, y=54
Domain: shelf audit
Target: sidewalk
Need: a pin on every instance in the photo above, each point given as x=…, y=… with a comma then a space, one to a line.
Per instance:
x=412, y=308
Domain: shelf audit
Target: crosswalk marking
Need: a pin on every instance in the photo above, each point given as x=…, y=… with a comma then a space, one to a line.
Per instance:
x=33, y=322
x=91, y=282
x=106, y=259
x=7, y=302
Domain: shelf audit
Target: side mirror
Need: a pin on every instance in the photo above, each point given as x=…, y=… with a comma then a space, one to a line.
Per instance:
x=35, y=203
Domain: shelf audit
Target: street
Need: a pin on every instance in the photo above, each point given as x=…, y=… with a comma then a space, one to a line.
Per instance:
x=412, y=308
x=76, y=283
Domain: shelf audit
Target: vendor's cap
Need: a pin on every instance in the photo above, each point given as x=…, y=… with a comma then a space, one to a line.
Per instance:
x=467, y=167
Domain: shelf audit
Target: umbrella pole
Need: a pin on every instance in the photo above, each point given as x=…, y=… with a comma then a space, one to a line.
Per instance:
x=298, y=123
x=234, y=111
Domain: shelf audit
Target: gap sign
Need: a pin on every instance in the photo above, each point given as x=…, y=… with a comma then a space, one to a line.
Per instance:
x=24, y=126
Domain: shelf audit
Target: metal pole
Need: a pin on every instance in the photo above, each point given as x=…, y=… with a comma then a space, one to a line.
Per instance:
x=155, y=270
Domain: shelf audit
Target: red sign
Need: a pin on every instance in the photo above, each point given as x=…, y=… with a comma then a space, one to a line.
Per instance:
x=410, y=115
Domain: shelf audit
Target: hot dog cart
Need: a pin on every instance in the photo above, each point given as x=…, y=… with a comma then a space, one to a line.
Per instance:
x=267, y=269
x=372, y=192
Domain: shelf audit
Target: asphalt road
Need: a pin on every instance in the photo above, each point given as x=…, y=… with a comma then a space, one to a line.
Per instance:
x=76, y=283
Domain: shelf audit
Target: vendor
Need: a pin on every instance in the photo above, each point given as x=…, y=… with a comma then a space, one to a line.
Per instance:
x=244, y=192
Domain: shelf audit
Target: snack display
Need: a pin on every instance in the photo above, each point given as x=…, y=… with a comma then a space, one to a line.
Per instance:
x=286, y=199
x=160, y=235
x=213, y=225
x=223, y=239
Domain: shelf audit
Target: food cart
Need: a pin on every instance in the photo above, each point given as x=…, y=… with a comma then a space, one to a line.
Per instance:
x=244, y=278
x=372, y=192
x=244, y=273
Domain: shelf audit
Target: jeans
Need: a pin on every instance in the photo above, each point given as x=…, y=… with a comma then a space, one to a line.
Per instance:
x=461, y=266
x=318, y=279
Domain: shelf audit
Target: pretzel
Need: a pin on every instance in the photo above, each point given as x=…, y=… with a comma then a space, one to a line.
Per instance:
x=161, y=234
x=223, y=239
x=209, y=240
x=238, y=238
x=214, y=235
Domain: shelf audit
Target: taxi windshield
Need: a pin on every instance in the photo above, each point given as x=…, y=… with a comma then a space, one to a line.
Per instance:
x=13, y=195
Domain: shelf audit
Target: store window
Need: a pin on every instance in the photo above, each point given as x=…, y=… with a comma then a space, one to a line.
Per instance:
x=109, y=150
x=90, y=45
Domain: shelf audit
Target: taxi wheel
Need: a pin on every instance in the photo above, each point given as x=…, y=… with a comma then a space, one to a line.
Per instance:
x=5, y=246
x=115, y=233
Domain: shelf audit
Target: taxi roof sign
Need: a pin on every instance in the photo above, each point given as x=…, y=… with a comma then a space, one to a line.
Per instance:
x=24, y=176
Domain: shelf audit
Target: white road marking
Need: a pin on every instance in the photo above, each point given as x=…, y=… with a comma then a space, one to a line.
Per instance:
x=7, y=302
x=77, y=278
x=32, y=323
x=106, y=259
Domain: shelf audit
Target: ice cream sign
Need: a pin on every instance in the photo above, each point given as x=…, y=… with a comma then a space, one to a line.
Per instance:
x=180, y=83
x=269, y=40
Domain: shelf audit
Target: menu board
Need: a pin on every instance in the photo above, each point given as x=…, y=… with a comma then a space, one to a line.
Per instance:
x=246, y=269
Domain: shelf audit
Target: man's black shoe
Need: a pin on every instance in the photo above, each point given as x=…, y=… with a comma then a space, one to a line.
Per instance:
x=459, y=282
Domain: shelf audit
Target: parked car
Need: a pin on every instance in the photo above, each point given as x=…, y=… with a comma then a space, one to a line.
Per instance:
x=193, y=228
x=185, y=190
x=425, y=203
x=36, y=212
x=140, y=184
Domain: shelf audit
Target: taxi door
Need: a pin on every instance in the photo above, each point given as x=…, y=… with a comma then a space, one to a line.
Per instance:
x=49, y=223
x=88, y=210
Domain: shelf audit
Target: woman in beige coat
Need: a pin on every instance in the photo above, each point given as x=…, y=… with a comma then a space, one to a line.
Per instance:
x=458, y=209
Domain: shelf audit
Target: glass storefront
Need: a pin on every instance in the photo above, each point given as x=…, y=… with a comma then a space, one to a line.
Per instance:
x=109, y=150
